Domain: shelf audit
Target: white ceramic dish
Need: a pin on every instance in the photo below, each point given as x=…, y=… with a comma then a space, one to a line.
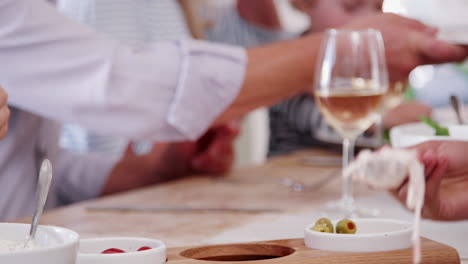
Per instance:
x=373, y=235
x=55, y=245
x=414, y=133
x=458, y=132
x=90, y=251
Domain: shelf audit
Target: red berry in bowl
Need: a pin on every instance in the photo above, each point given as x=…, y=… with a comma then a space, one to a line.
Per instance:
x=113, y=251
x=144, y=248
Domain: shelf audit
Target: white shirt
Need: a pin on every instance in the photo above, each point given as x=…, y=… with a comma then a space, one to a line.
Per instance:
x=29, y=140
x=163, y=92
x=135, y=23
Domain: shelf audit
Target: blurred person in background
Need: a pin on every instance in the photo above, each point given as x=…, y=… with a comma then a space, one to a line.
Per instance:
x=83, y=176
x=166, y=91
x=297, y=123
x=137, y=24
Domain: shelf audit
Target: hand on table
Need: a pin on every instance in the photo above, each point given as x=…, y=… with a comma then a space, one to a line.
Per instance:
x=212, y=154
x=4, y=113
x=215, y=150
x=409, y=43
x=446, y=170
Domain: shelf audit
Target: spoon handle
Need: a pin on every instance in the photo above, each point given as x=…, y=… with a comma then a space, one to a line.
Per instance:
x=457, y=108
x=43, y=186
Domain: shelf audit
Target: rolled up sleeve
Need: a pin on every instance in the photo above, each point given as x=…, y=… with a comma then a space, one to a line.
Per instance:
x=169, y=91
x=215, y=71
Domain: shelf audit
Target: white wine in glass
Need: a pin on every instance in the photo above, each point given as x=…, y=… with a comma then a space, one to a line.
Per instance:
x=351, y=83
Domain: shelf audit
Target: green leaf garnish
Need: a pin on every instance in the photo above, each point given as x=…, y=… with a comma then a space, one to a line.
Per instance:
x=439, y=130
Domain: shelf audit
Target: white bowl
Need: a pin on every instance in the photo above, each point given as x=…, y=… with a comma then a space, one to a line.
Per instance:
x=90, y=251
x=373, y=235
x=55, y=245
x=458, y=132
x=411, y=134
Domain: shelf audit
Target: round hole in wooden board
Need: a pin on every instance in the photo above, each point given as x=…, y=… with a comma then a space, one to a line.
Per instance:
x=238, y=252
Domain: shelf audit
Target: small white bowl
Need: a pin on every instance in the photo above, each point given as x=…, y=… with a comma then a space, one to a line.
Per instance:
x=458, y=132
x=90, y=251
x=412, y=134
x=373, y=235
x=55, y=245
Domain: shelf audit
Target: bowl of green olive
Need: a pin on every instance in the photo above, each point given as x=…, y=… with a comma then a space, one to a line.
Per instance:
x=359, y=235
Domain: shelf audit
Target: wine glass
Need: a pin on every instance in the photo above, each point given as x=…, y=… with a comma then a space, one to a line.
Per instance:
x=351, y=82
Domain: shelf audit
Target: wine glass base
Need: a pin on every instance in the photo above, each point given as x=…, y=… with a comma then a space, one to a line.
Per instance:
x=348, y=209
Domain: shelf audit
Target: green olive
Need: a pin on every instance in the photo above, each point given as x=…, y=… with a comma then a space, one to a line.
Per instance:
x=346, y=226
x=321, y=228
x=327, y=222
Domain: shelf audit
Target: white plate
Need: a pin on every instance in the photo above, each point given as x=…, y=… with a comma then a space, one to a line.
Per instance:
x=90, y=251
x=415, y=133
x=373, y=235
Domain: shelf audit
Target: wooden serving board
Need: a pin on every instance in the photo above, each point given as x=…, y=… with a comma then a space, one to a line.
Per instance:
x=295, y=252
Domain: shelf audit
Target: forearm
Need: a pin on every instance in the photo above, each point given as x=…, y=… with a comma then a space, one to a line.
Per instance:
x=165, y=162
x=270, y=78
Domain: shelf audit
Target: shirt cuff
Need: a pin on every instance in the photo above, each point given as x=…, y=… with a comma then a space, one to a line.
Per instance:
x=210, y=79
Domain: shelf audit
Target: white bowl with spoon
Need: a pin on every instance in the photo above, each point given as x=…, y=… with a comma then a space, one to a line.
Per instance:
x=52, y=245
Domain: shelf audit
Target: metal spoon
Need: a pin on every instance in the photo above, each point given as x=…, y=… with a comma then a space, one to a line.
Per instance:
x=43, y=186
x=457, y=107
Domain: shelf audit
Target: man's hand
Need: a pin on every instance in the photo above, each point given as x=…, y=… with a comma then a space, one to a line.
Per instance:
x=215, y=151
x=409, y=43
x=212, y=154
x=4, y=113
x=446, y=170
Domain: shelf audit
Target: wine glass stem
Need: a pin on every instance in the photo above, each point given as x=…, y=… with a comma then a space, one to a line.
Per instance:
x=348, y=156
x=379, y=132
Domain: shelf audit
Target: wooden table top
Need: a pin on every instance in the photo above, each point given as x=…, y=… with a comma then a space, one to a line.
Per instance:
x=254, y=187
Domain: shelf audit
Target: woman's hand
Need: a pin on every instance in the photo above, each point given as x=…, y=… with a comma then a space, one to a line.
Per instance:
x=446, y=170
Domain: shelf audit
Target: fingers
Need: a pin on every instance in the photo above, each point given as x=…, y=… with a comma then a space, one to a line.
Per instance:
x=4, y=113
x=432, y=200
x=3, y=131
x=435, y=178
x=4, y=118
x=434, y=51
x=219, y=153
x=414, y=24
x=217, y=159
x=3, y=97
x=430, y=146
x=431, y=164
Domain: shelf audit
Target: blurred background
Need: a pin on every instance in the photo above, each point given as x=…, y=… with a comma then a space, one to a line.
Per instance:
x=252, y=145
